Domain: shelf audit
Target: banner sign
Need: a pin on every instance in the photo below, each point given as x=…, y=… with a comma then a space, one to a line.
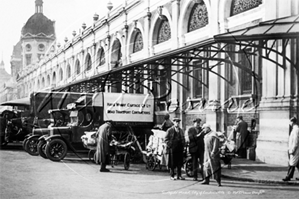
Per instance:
x=126, y=107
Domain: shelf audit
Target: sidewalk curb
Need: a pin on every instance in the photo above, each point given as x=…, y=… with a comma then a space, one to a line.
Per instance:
x=296, y=183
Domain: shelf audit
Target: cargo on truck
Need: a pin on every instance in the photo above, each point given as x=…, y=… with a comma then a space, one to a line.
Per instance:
x=129, y=112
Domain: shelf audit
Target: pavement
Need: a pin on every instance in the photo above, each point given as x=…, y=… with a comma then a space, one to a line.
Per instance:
x=255, y=171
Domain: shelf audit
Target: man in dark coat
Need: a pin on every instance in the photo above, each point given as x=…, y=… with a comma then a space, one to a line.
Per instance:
x=175, y=143
x=212, y=164
x=240, y=136
x=167, y=123
x=103, y=138
x=196, y=146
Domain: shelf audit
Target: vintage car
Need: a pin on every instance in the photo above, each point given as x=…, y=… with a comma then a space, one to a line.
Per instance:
x=15, y=120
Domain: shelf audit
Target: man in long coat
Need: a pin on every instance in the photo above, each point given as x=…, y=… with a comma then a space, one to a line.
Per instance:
x=293, y=149
x=196, y=146
x=212, y=164
x=241, y=136
x=175, y=143
x=103, y=138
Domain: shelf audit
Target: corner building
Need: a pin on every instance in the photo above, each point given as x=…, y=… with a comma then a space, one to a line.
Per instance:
x=213, y=59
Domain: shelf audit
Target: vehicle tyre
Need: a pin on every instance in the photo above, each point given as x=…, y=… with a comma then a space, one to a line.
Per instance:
x=31, y=146
x=24, y=144
x=41, y=147
x=189, y=167
x=126, y=161
x=151, y=163
x=56, y=150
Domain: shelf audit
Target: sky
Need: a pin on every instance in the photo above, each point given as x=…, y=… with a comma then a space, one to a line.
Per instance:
x=67, y=14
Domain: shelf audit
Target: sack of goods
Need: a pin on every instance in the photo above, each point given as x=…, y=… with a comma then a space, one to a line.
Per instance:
x=89, y=139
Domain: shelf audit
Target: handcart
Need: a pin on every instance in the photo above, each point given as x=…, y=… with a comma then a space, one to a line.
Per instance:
x=156, y=153
x=122, y=146
x=227, y=149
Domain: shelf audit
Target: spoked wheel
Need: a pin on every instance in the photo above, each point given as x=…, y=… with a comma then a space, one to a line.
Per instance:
x=31, y=146
x=56, y=150
x=151, y=163
x=189, y=168
x=113, y=160
x=126, y=161
x=41, y=147
x=24, y=144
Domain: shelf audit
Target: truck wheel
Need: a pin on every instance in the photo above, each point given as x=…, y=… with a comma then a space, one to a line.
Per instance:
x=41, y=148
x=56, y=150
x=31, y=146
x=126, y=161
x=189, y=168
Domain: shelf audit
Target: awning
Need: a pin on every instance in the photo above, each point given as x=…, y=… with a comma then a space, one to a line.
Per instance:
x=18, y=102
x=274, y=29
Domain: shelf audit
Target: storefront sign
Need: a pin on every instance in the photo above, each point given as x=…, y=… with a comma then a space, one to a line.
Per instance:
x=125, y=107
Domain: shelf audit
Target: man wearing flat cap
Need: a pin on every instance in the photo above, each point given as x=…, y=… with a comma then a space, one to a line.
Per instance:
x=104, y=135
x=175, y=142
x=211, y=164
x=293, y=149
x=196, y=146
x=240, y=136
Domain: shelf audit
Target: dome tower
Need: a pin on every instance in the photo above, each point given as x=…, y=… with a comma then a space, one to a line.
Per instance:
x=37, y=35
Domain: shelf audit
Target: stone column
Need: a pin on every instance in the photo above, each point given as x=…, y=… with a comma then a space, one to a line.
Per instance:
x=175, y=17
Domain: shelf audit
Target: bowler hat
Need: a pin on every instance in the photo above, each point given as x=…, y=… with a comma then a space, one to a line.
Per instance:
x=176, y=119
x=197, y=120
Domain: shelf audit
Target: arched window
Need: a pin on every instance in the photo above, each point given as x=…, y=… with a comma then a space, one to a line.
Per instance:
x=37, y=85
x=68, y=71
x=48, y=80
x=164, y=32
x=77, y=67
x=61, y=74
x=116, y=55
x=43, y=83
x=138, y=43
x=239, y=6
x=100, y=57
x=88, y=62
x=198, y=17
x=54, y=79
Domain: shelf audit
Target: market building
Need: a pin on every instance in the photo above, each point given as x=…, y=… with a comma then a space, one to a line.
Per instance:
x=213, y=59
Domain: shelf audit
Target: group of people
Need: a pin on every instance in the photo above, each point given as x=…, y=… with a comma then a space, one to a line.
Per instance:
x=203, y=145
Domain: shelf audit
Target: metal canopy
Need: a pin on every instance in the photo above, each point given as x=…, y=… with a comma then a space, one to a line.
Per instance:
x=18, y=102
x=209, y=54
x=287, y=27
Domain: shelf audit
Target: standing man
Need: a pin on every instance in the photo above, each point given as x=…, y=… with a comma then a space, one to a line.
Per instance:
x=212, y=164
x=196, y=146
x=167, y=123
x=175, y=143
x=240, y=137
x=293, y=150
x=103, y=138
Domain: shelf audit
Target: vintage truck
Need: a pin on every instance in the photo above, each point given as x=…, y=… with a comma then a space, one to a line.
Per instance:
x=15, y=120
x=40, y=104
x=87, y=113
